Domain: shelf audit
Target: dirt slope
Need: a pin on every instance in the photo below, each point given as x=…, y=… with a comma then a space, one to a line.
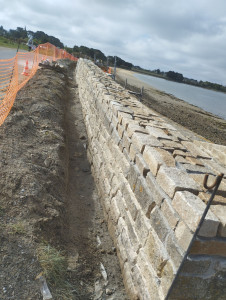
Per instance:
x=48, y=198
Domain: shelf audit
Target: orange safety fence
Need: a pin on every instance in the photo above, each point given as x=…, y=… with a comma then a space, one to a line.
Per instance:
x=16, y=71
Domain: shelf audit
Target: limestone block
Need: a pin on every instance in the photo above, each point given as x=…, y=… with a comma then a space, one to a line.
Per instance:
x=155, y=252
x=131, y=201
x=183, y=235
x=141, y=140
x=220, y=212
x=174, y=145
x=131, y=128
x=155, y=157
x=141, y=164
x=120, y=130
x=142, y=226
x=128, y=282
x=115, y=136
x=141, y=284
x=125, y=116
x=121, y=203
x=194, y=161
x=114, y=211
x=158, y=133
x=149, y=275
x=144, y=196
x=174, y=251
x=132, y=176
x=132, y=152
x=196, y=152
x=173, y=179
x=169, y=213
x=180, y=153
x=157, y=192
x=131, y=231
x=114, y=121
x=159, y=223
x=191, y=208
x=167, y=276
x=126, y=141
x=125, y=241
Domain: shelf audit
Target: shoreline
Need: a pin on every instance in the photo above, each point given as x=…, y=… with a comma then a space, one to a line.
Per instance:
x=199, y=121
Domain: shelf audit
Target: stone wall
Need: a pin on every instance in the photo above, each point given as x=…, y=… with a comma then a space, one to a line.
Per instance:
x=149, y=175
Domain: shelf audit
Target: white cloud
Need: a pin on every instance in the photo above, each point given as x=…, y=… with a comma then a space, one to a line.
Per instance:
x=184, y=36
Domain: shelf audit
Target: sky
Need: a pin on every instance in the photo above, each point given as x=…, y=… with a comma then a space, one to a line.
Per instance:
x=185, y=36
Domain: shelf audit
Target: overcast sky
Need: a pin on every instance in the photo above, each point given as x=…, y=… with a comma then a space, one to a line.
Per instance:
x=186, y=36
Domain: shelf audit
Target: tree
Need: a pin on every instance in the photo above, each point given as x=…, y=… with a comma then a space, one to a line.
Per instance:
x=175, y=76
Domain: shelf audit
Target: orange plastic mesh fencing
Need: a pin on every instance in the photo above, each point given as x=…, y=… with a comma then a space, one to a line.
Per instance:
x=15, y=72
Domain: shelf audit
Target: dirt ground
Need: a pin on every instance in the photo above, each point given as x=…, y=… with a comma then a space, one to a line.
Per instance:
x=195, y=119
x=48, y=199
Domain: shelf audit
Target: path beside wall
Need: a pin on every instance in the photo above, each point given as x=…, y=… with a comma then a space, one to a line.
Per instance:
x=149, y=176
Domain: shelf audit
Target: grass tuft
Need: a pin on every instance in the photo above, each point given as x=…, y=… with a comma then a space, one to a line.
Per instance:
x=54, y=266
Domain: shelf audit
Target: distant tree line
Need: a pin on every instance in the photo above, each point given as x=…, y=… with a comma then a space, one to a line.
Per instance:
x=20, y=35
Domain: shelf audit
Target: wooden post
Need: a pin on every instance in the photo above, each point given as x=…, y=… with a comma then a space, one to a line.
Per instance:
x=114, y=69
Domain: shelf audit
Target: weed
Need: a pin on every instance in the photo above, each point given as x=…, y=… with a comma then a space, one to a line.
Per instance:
x=54, y=265
x=17, y=228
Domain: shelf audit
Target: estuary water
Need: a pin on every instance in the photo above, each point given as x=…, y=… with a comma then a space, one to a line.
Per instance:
x=211, y=101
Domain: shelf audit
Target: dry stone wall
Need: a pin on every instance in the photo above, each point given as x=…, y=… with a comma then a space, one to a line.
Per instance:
x=149, y=175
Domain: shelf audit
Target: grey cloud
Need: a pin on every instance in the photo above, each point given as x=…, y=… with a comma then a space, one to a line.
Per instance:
x=185, y=36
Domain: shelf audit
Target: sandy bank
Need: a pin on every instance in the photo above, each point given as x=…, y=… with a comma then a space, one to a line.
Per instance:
x=192, y=117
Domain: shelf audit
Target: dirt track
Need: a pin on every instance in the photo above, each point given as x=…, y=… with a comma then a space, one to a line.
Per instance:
x=48, y=197
x=199, y=121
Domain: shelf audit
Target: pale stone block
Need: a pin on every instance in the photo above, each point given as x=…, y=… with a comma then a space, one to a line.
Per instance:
x=159, y=223
x=155, y=252
x=174, y=145
x=114, y=211
x=131, y=200
x=144, y=196
x=174, y=251
x=131, y=128
x=121, y=203
x=183, y=235
x=132, y=152
x=191, y=208
x=120, y=130
x=167, y=275
x=142, y=165
x=126, y=141
x=142, y=284
x=141, y=140
x=155, y=157
x=128, y=282
x=132, y=176
x=220, y=212
x=149, y=275
x=123, y=115
x=142, y=226
x=195, y=151
x=131, y=231
x=169, y=213
x=173, y=179
x=157, y=192
x=157, y=132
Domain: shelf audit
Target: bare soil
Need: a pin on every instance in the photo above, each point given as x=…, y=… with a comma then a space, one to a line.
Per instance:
x=189, y=116
x=48, y=195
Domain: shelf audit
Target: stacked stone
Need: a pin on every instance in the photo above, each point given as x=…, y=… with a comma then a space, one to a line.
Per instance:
x=149, y=175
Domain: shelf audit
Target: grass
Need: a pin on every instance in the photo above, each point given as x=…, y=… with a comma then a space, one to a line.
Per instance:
x=4, y=42
x=54, y=266
x=18, y=228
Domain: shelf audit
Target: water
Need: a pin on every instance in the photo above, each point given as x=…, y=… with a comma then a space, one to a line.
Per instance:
x=211, y=101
